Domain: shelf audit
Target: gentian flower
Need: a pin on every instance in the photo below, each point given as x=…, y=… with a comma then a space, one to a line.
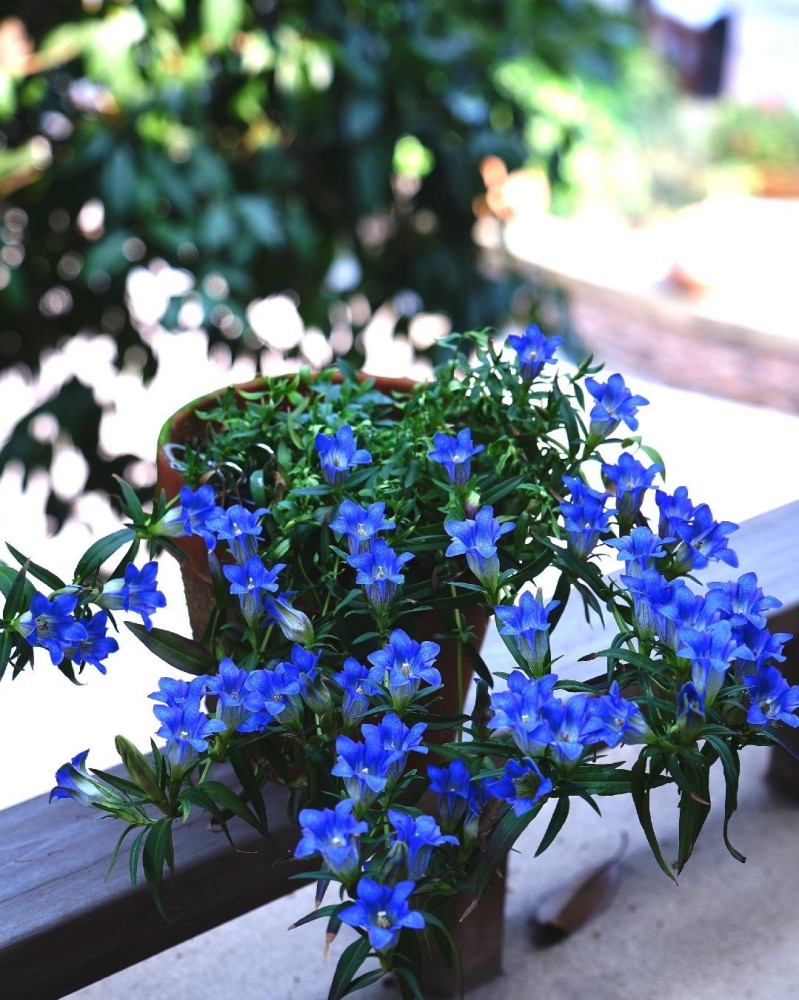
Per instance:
x=639, y=550
x=382, y=911
x=312, y=687
x=631, y=480
x=186, y=730
x=73, y=781
x=250, y=582
x=334, y=834
x=380, y=571
x=137, y=592
x=650, y=592
x=521, y=785
x=402, y=665
x=51, y=624
x=534, y=350
x=711, y=652
x=420, y=834
x=271, y=695
x=360, y=525
x=613, y=720
x=477, y=540
x=570, y=727
x=97, y=645
x=364, y=768
x=229, y=687
x=295, y=625
x=451, y=785
x=614, y=403
x=198, y=508
x=339, y=454
x=358, y=690
x=741, y=601
x=585, y=517
x=455, y=454
x=705, y=539
x=520, y=709
x=772, y=699
x=528, y=625
x=676, y=512
x=393, y=737
x=240, y=528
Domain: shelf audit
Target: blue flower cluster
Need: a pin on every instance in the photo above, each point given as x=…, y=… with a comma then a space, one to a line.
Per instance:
x=62, y=625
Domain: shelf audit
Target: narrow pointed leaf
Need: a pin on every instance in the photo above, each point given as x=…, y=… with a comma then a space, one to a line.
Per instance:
x=176, y=650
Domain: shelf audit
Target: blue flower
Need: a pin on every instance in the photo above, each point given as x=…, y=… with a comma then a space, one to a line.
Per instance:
x=402, y=665
x=358, y=690
x=772, y=699
x=631, y=480
x=240, y=528
x=613, y=719
x=676, y=512
x=334, y=834
x=382, y=911
x=229, y=686
x=651, y=592
x=639, y=550
x=529, y=626
x=312, y=685
x=73, y=781
x=339, y=454
x=250, y=582
x=455, y=454
x=521, y=785
x=197, y=510
x=614, y=403
x=711, y=652
x=571, y=730
x=741, y=601
x=396, y=739
x=360, y=525
x=451, y=785
x=97, y=645
x=477, y=540
x=520, y=708
x=137, y=592
x=295, y=625
x=420, y=834
x=534, y=350
x=364, y=767
x=704, y=539
x=186, y=730
x=380, y=571
x=585, y=517
x=51, y=624
x=272, y=695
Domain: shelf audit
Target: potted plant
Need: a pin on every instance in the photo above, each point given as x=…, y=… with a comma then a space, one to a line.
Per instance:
x=345, y=531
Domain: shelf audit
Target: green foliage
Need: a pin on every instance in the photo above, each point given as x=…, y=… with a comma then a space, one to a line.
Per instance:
x=255, y=145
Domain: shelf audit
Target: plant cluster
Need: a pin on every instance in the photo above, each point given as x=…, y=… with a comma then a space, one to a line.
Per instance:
x=349, y=534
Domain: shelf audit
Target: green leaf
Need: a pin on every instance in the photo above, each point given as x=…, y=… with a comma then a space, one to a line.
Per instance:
x=640, y=793
x=131, y=504
x=243, y=771
x=229, y=800
x=732, y=770
x=19, y=596
x=38, y=572
x=559, y=816
x=408, y=977
x=176, y=650
x=352, y=958
x=504, y=836
x=219, y=21
x=133, y=860
x=323, y=911
x=97, y=553
x=157, y=852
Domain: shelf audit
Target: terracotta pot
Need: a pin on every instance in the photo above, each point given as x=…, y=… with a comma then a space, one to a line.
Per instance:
x=185, y=427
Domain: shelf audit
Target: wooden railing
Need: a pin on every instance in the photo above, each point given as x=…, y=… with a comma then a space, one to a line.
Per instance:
x=63, y=927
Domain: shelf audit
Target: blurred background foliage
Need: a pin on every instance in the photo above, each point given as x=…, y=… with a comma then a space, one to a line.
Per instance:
x=312, y=148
